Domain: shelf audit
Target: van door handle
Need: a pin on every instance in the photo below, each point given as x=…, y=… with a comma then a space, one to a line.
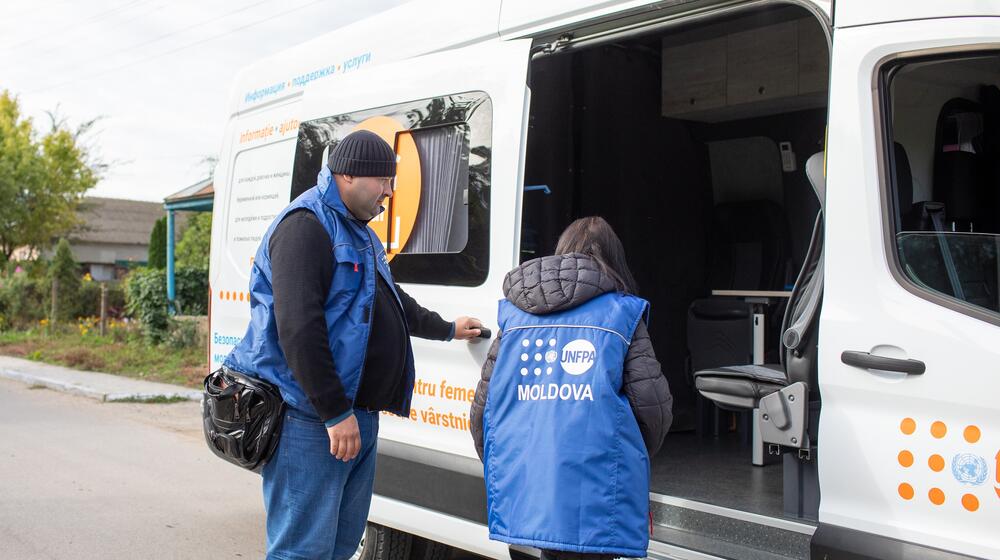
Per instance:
x=867, y=361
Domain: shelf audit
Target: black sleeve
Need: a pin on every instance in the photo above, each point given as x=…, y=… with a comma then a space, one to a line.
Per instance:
x=301, y=273
x=424, y=322
x=479, y=401
x=647, y=390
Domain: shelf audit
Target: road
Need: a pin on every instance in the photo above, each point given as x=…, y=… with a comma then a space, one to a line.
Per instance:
x=82, y=479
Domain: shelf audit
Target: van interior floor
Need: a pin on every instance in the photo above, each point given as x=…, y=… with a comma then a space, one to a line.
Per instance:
x=716, y=470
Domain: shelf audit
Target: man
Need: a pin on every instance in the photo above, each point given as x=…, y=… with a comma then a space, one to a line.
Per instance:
x=331, y=329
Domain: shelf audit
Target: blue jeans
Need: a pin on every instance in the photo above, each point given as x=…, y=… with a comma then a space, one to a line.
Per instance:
x=317, y=506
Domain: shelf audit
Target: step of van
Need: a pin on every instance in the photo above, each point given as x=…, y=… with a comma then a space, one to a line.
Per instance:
x=689, y=530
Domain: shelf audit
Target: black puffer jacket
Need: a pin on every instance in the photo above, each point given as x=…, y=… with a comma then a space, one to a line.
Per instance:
x=550, y=284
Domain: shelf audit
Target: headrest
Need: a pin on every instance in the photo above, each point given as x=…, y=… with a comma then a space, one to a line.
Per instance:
x=816, y=174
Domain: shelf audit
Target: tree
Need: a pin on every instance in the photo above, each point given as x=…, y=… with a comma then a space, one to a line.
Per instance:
x=193, y=248
x=65, y=269
x=158, y=244
x=42, y=179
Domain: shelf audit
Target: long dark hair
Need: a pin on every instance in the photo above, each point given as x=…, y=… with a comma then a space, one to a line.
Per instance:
x=593, y=236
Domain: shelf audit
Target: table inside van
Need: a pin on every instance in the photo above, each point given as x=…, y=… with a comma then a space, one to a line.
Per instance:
x=760, y=299
x=753, y=296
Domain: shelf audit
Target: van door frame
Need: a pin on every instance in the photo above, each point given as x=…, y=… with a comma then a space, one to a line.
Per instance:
x=592, y=34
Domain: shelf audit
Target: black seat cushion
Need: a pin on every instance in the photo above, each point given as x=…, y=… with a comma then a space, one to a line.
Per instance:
x=719, y=332
x=739, y=387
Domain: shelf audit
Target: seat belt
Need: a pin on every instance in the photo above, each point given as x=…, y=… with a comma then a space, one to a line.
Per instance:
x=936, y=214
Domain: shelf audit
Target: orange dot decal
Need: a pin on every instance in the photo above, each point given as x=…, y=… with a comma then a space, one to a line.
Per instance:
x=936, y=463
x=905, y=491
x=905, y=458
x=970, y=502
x=939, y=429
x=972, y=434
x=936, y=496
x=241, y=296
x=908, y=426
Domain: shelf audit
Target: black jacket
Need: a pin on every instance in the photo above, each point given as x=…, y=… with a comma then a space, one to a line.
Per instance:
x=550, y=284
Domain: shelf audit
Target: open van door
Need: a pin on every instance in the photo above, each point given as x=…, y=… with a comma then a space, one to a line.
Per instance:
x=909, y=335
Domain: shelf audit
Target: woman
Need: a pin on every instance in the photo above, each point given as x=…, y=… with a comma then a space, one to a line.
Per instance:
x=571, y=403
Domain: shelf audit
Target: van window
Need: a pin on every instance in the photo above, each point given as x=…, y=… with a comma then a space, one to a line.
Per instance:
x=942, y=119
x=435, y=228
x=442, y=224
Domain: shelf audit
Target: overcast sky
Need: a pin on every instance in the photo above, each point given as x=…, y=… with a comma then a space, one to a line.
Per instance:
x=158, y=71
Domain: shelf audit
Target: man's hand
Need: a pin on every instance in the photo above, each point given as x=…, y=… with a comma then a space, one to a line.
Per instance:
x=345, y=439
x=467, y=327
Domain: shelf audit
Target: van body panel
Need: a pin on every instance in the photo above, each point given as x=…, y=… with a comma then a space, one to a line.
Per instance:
x=252, y=183
x=257, y=188
x=873, y=422
x=859, y=12
x=379, y=39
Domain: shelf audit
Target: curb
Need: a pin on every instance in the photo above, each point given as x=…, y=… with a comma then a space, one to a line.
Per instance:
x=92, y=393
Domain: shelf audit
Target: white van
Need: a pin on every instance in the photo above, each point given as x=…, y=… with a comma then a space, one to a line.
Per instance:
x=809, y=195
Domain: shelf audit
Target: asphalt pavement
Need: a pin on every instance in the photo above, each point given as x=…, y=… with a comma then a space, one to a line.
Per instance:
x=86, y=478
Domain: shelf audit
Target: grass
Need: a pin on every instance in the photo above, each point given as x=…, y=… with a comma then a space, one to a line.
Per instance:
x=122, y=353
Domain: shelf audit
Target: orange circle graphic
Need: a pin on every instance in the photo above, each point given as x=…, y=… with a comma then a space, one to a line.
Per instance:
x=972, y=434
x=936, y=462
x=905, y=458
x=394, y=226
x=939, y=429
x=241, y=296
x=905, y=491
x=908, y=426
x=970, y=502
x=936, y=496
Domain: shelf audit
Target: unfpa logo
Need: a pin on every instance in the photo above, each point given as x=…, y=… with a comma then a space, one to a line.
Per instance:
x=578, y=357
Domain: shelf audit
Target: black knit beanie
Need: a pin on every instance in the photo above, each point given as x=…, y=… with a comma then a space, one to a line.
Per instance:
x=363, y=154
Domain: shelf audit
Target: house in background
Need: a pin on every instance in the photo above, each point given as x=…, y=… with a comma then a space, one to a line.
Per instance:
x=113, y=235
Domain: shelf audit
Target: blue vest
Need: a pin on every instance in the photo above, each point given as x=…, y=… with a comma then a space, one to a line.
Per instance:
x=357, y=254
x=564, y=461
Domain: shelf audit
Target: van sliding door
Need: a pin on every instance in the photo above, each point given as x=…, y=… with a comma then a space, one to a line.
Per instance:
x=456, y=120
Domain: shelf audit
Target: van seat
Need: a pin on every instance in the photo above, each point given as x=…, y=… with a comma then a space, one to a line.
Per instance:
x=739, y=387
x=742, y=386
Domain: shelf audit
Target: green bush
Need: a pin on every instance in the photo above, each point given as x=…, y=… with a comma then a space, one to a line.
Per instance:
x=89, y=300
x=146, y=301
x=191, y=291
x=36, y=268
x=146, y=298
x=158, y=244
x=193, y=247
x=182, y=334
x=65, y=269
x=23, y=300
